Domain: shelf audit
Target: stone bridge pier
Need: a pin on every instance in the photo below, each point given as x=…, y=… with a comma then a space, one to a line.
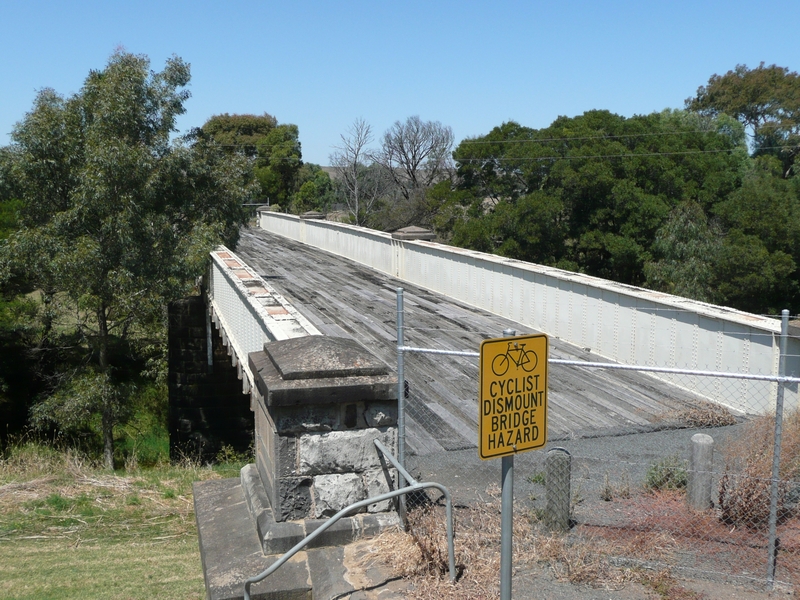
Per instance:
x=319, y=404
x=207, y=409
x=249, y=371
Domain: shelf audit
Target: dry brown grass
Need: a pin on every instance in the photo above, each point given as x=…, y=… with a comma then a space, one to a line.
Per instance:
x=705, y=414
x=421, y=554
x=744, y=489
x=656, y=530
x=666, y=586
x=582, y=562
x=31, y=461
x=660, y=527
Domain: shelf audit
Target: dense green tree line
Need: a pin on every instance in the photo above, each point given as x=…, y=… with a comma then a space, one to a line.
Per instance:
x=111, y=220
x=674, y=201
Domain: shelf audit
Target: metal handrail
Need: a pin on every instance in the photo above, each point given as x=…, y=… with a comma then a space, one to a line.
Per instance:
x=414, y=487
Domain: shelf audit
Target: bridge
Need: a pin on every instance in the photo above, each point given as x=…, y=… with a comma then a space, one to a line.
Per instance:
x=293, y=277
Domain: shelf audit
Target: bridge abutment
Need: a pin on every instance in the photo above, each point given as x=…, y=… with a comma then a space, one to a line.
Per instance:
x=207, y=409
x=315, y=406
x=319, y=403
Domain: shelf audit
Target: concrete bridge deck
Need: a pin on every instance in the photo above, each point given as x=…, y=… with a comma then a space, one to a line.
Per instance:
x=341, y=297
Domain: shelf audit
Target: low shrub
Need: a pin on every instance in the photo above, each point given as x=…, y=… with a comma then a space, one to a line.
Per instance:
x=744, y=489
x=667, y=474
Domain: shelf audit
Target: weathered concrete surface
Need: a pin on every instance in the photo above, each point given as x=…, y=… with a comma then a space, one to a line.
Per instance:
x=699, y=490
x=413, y=233
x=335, y=491
x=377, y=485
x=230, y=550
x=331, y=384
x=279, y=536
x=318, y=357
x=344, y=574
x=343, y=451
x=320, y=402
x=230, y=553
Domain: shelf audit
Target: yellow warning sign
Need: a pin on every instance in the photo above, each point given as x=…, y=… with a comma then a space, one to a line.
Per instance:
x=512, y=395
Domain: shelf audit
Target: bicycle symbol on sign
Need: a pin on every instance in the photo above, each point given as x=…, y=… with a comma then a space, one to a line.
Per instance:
x=516, y=353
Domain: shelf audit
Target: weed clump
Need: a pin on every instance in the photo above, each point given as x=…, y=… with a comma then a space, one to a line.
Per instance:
x=667, y=474
x=610, y=490
x=744, y=489
x=539, y=478
x=706, y=414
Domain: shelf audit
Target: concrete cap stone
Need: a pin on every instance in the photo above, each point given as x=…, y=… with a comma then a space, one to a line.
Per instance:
x=320, y=370
x=320, y=356
x=413, y=233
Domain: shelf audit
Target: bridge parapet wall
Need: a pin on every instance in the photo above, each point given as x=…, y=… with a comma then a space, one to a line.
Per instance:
x=319, y=403
x=626, y=324
x=248, y=311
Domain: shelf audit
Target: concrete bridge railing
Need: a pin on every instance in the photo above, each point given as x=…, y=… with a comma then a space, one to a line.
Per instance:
x=248, y=311
x=623, y=323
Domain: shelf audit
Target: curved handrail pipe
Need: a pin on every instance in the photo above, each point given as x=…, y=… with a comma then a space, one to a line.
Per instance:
x=414, y=487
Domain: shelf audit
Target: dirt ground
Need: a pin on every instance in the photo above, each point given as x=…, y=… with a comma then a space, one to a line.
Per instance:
x=649, y=545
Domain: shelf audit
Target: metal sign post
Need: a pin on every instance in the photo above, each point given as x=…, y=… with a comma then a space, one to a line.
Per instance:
x=506, y=527
x=513, y=418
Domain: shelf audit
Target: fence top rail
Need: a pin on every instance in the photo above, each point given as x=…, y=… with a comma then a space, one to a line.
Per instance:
x=603, y=365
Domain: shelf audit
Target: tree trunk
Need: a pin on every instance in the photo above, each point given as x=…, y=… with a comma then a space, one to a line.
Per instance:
x=108, y=435
x=47, y=318
x=108, y=408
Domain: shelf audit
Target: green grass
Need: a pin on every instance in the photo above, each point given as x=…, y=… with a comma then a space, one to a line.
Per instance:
x=667, y=474
x=71, y=530
x=538, y=478
x=68, y=569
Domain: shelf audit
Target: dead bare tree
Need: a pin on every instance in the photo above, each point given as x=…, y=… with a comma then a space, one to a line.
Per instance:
x=360, y=181
x=417, y=154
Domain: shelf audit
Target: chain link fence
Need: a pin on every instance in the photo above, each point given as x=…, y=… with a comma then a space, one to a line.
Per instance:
x=657, y=466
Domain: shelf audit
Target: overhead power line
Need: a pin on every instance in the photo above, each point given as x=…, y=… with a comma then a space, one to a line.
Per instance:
x=589, y=137
x=585, y=156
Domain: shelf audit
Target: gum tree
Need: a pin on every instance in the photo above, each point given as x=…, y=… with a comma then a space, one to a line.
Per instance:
x=116, y=218
x=766, y=100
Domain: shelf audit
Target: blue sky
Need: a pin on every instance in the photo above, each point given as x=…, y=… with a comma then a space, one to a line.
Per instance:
x=470, y=65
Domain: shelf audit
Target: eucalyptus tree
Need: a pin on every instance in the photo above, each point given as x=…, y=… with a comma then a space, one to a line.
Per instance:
x=274, y=149
x=239, y=133
x=278, y=162
x=766, y=100
x=117, y=218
